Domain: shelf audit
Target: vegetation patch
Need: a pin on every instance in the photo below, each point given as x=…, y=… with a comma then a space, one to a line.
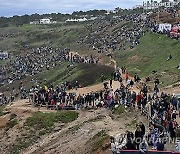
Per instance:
x=40, y=124
x=12, y=121
x=91, y=74
x=42, y=120
x=97, y=141
x=85, y=74
x=151, y=54
x=23, y=142
x=1, y=111
x=119, y=110
x=132, y=124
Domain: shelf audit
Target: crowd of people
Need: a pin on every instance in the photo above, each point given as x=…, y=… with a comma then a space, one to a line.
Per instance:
x=159, y=108
x=132, y=28
x=161, y=112
x=36, y=61
x=105, y=36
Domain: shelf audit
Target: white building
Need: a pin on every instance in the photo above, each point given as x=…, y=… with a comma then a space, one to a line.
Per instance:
x=154, y=4
x=82, y=19
x=45, y=21
x=77, y=20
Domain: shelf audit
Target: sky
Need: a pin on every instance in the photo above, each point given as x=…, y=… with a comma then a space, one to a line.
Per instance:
x=21, y=7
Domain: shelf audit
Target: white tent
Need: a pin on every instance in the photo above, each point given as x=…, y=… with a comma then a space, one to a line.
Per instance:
x=164, y=26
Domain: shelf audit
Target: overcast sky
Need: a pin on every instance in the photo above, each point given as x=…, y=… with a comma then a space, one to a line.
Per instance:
x=21, y=7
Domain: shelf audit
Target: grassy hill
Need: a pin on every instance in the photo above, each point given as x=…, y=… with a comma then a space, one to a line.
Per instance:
x=58, y=36
x=152, y=54
x=85, y=74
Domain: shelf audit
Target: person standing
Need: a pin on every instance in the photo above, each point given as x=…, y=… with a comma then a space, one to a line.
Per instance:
x=110, y=82
x=131, y=84
x=160, y=145
x=135, y=77
x=113, y=146
x=143, y=128
x=174, y=101
x=76, y=85
x=172, y=129
x=127, y=76
x=102, y=77
x=138, y=136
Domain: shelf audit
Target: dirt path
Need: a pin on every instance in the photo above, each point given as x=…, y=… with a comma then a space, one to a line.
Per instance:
x=98, y=87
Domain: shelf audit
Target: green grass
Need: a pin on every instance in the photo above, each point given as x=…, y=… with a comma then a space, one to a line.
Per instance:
x=91, y=74
x=86, y=74
x=23, y=142
x=151, y=55
x=132, y=124
x=1, y=111
x=3, y=62
x=119, y=110
x=42, y=132
x=42, y=120
x=40, y=124
x=97, y=141
x=10, y=30
x=13, y=121
x=30, y=26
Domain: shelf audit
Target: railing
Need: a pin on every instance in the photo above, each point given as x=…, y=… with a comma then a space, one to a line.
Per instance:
x=147, y=152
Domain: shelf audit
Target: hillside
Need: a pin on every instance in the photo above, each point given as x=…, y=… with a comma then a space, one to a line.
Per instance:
x=152, y=51
x=24, y=40
x=151, y=54
x=32, y=130
x=46, y=61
